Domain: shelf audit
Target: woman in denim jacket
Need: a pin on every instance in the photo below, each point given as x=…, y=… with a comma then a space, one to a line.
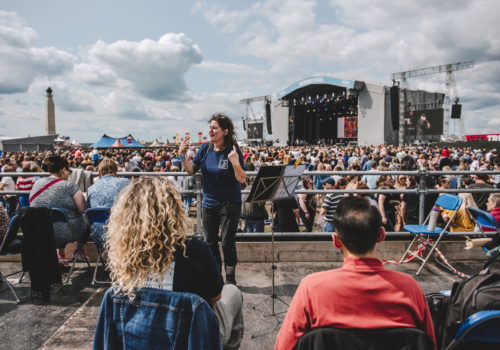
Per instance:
x=149, y=253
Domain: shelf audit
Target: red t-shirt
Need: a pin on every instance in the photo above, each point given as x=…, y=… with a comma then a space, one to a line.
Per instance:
x=362, y=294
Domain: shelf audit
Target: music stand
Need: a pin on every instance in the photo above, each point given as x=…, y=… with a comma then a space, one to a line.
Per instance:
x=274, y=183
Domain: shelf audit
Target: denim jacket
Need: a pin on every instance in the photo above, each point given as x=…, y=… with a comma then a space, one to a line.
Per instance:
x=156, y=319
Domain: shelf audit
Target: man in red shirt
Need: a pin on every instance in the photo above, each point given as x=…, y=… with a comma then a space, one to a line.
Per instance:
x=362, y=294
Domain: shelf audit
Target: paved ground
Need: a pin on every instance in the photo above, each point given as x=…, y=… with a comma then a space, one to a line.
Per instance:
x=68, y=320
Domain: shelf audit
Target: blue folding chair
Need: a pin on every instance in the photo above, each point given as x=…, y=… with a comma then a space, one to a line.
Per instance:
x=483, y=220
x=12, y=244
x=59, y=215
x=97, y=218
x=422, y=233
x=478, y=330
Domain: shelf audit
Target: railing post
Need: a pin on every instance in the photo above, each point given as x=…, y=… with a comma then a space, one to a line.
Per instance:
x=198, y=204
x=422, y=189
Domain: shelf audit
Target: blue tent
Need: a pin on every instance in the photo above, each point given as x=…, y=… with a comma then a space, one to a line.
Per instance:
x=106, y=142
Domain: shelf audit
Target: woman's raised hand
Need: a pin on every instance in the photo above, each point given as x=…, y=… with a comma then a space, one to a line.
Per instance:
x=233, y=156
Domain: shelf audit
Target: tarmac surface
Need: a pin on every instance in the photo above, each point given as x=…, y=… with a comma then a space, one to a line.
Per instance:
x=68, y=320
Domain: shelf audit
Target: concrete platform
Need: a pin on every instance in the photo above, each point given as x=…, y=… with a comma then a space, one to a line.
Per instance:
x=68, y=321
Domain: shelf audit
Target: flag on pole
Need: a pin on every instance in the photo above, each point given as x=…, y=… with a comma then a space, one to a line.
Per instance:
x=177, y=140
x=204, y=139
x=129, y=140
x=200, y=137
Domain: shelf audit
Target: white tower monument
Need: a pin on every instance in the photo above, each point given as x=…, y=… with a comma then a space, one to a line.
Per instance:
x=50, y=116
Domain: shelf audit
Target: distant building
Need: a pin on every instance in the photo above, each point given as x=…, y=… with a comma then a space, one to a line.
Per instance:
x=27, y=144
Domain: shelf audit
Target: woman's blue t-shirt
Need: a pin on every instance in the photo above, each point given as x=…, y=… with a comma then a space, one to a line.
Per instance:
x=218, y=179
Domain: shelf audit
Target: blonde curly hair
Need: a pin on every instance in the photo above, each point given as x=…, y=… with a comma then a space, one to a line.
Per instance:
x=146, y=226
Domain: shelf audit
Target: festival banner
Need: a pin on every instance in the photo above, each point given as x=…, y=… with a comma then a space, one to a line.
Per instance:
x=177, y=140
x=129, y=140
x=204, y=139
x=200, y=137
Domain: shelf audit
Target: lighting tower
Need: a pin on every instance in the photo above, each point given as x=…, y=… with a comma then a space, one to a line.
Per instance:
x=250, y=114
x=451, y=90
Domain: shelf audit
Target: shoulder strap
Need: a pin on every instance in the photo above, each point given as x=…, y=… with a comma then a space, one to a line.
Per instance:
x=53, y=182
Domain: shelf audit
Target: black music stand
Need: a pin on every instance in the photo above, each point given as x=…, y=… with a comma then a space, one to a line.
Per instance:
x=274, y=183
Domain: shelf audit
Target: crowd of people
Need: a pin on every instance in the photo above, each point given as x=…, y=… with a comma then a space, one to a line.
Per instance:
x=149, y=247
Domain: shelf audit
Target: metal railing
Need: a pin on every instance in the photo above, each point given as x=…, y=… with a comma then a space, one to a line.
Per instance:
x=421, y=190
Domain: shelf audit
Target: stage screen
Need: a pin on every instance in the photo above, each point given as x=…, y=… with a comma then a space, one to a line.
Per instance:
x=433, y=116
x=255, y=131
x=347, y=127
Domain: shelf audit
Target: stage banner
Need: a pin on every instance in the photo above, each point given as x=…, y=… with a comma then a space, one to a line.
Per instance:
x=340, y=128
x=200, y=137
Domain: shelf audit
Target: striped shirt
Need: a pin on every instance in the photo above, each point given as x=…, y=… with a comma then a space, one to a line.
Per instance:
x=25, y=183
x=330, y=204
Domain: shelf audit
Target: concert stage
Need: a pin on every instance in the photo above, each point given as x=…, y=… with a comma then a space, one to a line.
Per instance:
x=329, y=110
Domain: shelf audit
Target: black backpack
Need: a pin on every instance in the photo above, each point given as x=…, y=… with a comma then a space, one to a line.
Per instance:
x=477, y=293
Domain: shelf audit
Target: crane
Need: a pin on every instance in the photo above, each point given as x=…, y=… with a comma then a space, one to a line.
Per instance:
x=451, y=91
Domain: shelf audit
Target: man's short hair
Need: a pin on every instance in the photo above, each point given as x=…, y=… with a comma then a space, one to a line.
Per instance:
x=357, y=224
x=495, y=198
x=107, y=166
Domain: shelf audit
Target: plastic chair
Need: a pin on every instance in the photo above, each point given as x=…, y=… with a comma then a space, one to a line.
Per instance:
x=97, y=218
x=12, y=244
x=59, y=215
x=374, y=339
x=421, y=232
x=478, y=331
x=483, y=219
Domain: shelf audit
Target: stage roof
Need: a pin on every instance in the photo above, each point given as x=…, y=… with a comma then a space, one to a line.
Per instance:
x=344, y=83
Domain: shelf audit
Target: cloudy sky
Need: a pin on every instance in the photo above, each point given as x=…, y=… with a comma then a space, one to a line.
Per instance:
x=154, y=68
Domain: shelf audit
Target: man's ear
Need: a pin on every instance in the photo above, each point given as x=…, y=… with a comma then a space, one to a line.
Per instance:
x=381, y=236
x=336, y=241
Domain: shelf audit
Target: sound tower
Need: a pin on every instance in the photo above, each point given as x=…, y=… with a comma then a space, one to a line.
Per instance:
x=456, y=111
x=395, y=107
x=268, y=118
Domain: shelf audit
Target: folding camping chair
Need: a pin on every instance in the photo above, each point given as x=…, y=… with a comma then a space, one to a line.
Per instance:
x=479, y=331
x=422, y=233
x=97, y=218
x=59, y=215
x=483, y=220
x=12, y=244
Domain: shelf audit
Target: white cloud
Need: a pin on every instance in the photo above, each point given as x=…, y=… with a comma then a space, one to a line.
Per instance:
x=233, y=68
x=155, y=69
x=20, y=62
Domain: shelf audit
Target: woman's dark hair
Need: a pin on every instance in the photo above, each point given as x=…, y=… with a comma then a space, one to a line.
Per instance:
x=226, y=123
x=340, y=183
x=413, y=180
x=357, y=224
x=53, y=164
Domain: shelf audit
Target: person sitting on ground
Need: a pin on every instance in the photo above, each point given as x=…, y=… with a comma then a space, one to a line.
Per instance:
x=148, y=247
x=362, y=294
x=55, y=191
